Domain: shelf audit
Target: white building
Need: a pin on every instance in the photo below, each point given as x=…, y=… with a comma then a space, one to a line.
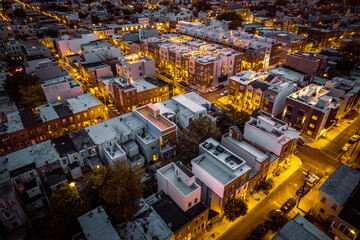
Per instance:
x=61, y=89
x=67, y=45
x=176, y=180
x=136, y=67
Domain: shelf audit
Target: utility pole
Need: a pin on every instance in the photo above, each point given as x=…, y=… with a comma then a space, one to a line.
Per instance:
x=303, y=187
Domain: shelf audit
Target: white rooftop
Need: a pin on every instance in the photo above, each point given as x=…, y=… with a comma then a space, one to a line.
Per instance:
x=193, y=106
x=82, y=102
x=96, y=225
x=14, y=122
x=100, y=133
x=48, y=113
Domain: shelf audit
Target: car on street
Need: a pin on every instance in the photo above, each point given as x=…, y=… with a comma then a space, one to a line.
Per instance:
x=111, y=106
x=312, y=180
x=230, y=107
x=67, y=68
x=346, y=147
x=213, y=89
x=300, y=142
x=224, y=93
x=358, y=132
x=288, y=205
x=300, y=191
x=354, y=138
x=259, y=231
x=118, y=112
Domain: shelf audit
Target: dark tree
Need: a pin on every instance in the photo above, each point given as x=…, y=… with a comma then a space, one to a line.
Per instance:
x=118, y=188
x=230, y=118
x=19, y=13
x=202, y=6
x=234, y=209
x=277, y=219
x=187, y=143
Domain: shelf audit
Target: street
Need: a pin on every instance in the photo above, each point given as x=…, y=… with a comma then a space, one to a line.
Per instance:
x=319, y=161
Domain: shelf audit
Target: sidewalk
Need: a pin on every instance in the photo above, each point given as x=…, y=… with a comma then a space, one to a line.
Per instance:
x=219, y=228
x=332, y=133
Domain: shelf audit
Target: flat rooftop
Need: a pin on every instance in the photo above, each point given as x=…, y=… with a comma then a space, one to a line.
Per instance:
x=159, y=122
x=169, y=174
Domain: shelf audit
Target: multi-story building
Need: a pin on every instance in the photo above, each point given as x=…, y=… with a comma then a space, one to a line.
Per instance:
x=312, y=64
x=311, y=111
x=29, y=127
x=345, y=90
x=61, y=89
x=129, y=95
x=221, y=174
x=33, y=47
x=135, y=67
x=67, y=45
x=272, y=134
x=337, y=202
x=14, y=49
x=98, y=51
x=265, y=90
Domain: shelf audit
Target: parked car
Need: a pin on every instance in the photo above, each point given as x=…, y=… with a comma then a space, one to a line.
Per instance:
x=312, y=180
x=288, y=205
x=117, y=112
x=224, y=93
x=259, y=231
x=301, y=191
x=111, y=106
x=300, y=142
x=213, y=89
x=67, y=68
x=358, y=132
x=354, y=138
x=346, y=147
x=230, y=107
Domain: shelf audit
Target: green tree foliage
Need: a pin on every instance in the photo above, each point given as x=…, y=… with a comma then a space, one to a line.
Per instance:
x=32, y=96
x=230, y=118
x=235, y=208
x=277, y=219
x=118, y=189
x=235, y=24
x=187, y=143
x=266, y=185
x=236, y=20
x=19, y=13
x=64, y=209
x=25, y=89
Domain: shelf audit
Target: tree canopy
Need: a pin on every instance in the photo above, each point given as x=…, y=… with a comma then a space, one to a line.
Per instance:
x=187, y=143
x=277, y=219
x=235, y=208
x=351, y=58
x=118, y=189
x=202, y=5
x=25, y=89
x=64, y=209
x=230, y=118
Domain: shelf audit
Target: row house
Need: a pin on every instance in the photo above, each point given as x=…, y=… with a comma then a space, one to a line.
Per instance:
x=28, y=127
x=61, y=89
x=311, y=111
x=337, y=203
x=271, y=134
x=265, y=90
x=221, y=174
x=136, y=66
x=128, y=95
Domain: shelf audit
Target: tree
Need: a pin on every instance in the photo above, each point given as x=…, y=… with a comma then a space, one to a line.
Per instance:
x=19, y=13
x=15, y=82
x=235, y=208
x=95, y=19
x=235, y=24
x=118, y=188
x=202, y=5
x=266, y=185
x=32, y=96
x=281, y=2
x=230, y=118
x=277, y=219
x=64, y=209
x=187, y=143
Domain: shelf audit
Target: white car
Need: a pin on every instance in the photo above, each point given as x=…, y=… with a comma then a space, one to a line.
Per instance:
x=224, y=93
x=212, y=89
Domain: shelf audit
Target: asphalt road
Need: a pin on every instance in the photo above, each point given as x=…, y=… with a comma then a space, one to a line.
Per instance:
x=320, y=162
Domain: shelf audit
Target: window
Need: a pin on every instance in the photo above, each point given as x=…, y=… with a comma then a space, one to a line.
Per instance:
x=341, y=227
x=64, y=161
x=189, y=204
x=289, y=108
x=7, y=215
x=314, y=117
x=226, y=192
x=311, y=125
x=323, y=199
x=195, y=201
x=140, y=74
x=2, y=205
x=153, y=147
x=322, y=210
x=334, y=207
x=58, y=98
x=31, y=175
x=165, y=139
x=233, y=187
x=258, y=93
x=309, y=132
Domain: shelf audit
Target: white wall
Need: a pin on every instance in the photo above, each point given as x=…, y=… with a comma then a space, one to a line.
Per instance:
x=262, y=139
x=61, y=90
x=67, y=47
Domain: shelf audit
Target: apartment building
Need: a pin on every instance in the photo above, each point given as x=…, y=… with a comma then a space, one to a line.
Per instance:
x=264, y=90
x=178, y=183
x=14, y=49
x=61, y=89
x=98, y=51
x=259, y=159
x=136, y=66
x=221, y=174
x=162, y=127
x=129, y=95
x=69, y=45
x=48, y=69
x=271, y=134
x=29, y=127
x=311, y=111
x=33, y=47
x=337, y=202
x=311, y=63
x=346, y=91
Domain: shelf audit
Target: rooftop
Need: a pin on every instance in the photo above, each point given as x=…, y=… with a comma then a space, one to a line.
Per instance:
x=160, y=122
x=63, y=145
x=96, y=225
x=83, y=102
x=341, y=183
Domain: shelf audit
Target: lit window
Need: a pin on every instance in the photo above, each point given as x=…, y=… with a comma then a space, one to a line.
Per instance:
x=314, y=117
x=311, y=125
x=58, y=98
x=309, y=132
